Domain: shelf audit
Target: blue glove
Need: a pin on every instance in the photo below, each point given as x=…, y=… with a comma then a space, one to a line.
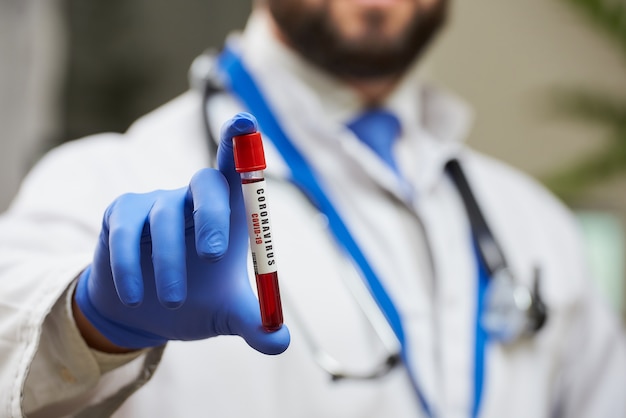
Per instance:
x=172, y=264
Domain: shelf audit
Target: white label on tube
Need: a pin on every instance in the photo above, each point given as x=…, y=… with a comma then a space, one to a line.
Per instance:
x=259, y=227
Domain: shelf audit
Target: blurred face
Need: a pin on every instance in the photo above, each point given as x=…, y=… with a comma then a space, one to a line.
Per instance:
x=359, y=39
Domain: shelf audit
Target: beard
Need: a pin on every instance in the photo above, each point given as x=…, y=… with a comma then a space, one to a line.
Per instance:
x=316, y=36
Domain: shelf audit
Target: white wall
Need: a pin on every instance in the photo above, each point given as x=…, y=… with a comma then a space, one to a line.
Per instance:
x=31, y=58
x=505, y=56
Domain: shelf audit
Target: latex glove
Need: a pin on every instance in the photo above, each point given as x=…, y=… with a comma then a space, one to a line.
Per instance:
x=172, y=265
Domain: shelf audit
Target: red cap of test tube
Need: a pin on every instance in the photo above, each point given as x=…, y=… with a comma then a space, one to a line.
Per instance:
x=248, y=151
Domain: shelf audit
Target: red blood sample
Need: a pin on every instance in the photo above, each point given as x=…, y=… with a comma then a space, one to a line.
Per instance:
x=250, y=163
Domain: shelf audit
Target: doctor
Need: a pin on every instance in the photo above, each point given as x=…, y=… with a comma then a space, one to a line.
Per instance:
x=124, y=265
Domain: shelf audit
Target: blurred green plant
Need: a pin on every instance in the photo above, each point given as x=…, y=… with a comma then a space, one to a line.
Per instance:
x=588, y=105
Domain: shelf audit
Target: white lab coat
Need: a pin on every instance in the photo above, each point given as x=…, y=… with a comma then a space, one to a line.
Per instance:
x=419, y=242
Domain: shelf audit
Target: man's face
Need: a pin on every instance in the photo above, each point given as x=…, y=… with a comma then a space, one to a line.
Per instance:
x=359, y=39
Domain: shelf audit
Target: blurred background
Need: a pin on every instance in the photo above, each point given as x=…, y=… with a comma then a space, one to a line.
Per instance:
x=546, y=78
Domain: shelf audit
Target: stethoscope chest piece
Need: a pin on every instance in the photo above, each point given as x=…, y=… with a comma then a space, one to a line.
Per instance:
x=512, y=311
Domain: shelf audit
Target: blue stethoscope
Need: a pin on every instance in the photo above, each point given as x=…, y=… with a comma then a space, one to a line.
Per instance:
x=507, y=310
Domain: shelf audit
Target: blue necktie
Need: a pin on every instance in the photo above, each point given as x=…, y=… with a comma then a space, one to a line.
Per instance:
x=378, y=129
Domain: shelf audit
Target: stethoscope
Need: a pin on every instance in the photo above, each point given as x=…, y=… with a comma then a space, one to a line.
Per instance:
x=509, y=311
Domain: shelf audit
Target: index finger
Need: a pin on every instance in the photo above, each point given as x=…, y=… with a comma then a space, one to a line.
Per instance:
x=241, y=124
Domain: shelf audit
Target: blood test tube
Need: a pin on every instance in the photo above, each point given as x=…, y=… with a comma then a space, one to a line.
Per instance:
x=250, y=163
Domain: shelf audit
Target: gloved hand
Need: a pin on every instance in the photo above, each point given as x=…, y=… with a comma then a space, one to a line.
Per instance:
x=172, y=264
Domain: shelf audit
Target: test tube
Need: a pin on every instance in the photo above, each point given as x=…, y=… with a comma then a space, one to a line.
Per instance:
x=250, y=163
